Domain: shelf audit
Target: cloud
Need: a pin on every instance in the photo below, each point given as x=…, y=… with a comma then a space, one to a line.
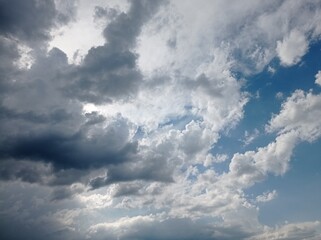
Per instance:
x=72, y=151
x=101, y=12
x=105, y=75
x=55, y=130
x=156, y=227
x=9, y=54
x=250, y=137
x=153, y=170
x=279, y=95
x=318, y=78
x=299, y=113
x=296, y=122
x=293, y=231
x=26, y=171
x=292, y=48
x=61, y=193
x=16, y=21
x=267, y=196
x=123, y=31
x=109, y=72
x=254, y=166
x=124, y=143
x=247, y=37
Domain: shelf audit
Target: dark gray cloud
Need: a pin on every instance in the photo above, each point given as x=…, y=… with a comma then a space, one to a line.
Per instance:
x=141, y=168
x=127, y=189
x=102, y=13
x=65, y=151
x=105, y=75
x=122, y=32
x=33, y=111
x=41, y=110
x=26, y=171
x=8, y=55
x=64, y=177
x=29, y=20
x=28, y=23
x=39, y=122
x=65, y=192
x=40, y=172
x=57, y=115
x=76, y=150
x=109, y=72
x=60, y=194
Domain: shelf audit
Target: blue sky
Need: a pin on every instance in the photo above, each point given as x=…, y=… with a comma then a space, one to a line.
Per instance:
x=160, y=119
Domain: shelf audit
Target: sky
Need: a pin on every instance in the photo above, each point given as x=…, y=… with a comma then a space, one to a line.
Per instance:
x=154, y=120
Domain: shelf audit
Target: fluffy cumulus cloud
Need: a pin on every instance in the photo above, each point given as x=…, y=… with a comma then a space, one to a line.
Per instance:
x=292, y=48
x=116, y=137
x=299, y=113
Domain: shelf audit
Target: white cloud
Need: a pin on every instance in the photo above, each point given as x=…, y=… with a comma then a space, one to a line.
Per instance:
x=271, y=70
x=267, y=196
x=292, y=48
x=218, y=158
x=26, y=58
x=121, y=229
x=279, y=95
x=95, y=200
x=293, y=231
x=250, y=137
x=318, y=78
x=253, y=166
x=301, y=113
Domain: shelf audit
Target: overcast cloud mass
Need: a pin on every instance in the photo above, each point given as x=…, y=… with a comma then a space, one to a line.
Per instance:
x=154, y=120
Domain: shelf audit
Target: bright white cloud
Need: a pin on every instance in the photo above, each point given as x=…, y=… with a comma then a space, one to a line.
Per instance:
x=292, y=48
x=301, y=113
x=318, y=78
x=253, y=166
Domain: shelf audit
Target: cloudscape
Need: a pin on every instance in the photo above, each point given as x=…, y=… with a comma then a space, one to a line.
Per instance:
x=160, y=119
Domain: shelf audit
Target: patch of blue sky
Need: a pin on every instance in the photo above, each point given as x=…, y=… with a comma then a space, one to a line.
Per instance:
x=221, y=167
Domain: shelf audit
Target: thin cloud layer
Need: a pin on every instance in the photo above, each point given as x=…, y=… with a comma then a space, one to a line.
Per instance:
x=155, y=133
